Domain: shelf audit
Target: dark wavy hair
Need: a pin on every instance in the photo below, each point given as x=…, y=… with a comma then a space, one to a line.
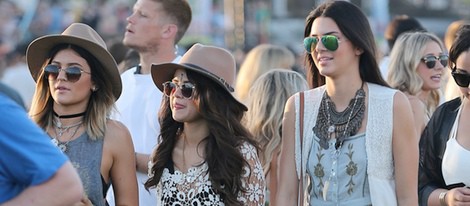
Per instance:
x=227, y=134
x=354, y=25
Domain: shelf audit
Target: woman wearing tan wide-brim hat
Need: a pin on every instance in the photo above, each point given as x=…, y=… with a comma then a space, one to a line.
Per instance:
x=205, y=154
x=77, y=83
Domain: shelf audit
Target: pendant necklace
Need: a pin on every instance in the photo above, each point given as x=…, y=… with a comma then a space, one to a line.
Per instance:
x=338, y=145
x=59, y=129
x=340, y=124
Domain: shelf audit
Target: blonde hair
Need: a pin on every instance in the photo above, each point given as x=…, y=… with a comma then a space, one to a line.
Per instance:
x=266, y=101
x=404, y=60
x=258, y=61
x=100, y=104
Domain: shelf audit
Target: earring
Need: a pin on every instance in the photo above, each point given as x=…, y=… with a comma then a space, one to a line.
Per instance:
x=94, y=89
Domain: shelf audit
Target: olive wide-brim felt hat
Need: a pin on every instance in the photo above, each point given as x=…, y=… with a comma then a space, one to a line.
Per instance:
x=81, y=35
x=212, y=62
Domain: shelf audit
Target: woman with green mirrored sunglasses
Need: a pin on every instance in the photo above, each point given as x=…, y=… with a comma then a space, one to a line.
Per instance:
x=350, y=140
x=330, y=42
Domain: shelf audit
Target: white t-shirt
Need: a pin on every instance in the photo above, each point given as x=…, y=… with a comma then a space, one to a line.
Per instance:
x=19, y=78
x=383, y=65
x=138, y=108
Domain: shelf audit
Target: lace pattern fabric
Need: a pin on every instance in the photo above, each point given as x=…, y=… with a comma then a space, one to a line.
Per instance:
x=195, y=188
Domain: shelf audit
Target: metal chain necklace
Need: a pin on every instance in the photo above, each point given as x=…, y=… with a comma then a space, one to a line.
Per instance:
x=60, y=130
x=342, y=124
x=330, y=122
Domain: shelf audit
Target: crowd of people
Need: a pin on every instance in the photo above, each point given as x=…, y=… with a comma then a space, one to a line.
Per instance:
x=160, y=127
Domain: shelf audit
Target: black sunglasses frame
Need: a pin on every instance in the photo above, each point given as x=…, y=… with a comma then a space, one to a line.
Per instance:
x=330, y=42
x=461, y=79
x=72, y=74
x=430, y=60
x=187, y=89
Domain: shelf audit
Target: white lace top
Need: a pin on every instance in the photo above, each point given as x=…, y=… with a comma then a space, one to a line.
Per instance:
x=195, y=187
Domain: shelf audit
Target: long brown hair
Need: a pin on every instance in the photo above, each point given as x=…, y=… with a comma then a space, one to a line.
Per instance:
x=354, y=25
x=227, y=134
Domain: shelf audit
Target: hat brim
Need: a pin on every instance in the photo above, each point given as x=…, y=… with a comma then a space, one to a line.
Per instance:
x=165, y=72
x=38, y=52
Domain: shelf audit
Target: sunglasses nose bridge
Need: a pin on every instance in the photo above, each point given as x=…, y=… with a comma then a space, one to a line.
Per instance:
x=443, y=62
x=178, y=92
x=320, y=46
x=175, y=90
x=61, y=74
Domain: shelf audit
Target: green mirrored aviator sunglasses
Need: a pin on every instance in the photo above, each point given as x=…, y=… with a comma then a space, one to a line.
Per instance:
x=330, y=42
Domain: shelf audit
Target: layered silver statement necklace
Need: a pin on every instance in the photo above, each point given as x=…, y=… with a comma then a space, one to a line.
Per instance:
x=342, y=124
x=60, y=130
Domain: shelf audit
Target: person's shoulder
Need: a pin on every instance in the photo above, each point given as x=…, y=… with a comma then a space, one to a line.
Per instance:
x=115, y=125
x=246, y=144
x=248, y=151
x=117, y=136
x=116, y=129
x=315, y=91
x=400, y=97
x=451, y=105
x=415, y=102
x=12, y=94
x=380, y=88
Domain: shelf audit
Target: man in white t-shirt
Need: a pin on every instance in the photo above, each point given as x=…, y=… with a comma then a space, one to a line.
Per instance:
x=153, y=30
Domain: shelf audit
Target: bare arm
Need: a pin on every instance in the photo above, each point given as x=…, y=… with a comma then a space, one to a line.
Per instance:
x=287, y=193
x=405, y=152
x=455, y=196
x=419, y=111
x=272, y=176
x=141, y=161
x=65, y=182
x=123, y=168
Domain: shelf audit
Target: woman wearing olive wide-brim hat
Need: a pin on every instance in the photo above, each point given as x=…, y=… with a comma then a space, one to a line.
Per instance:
x=205, y=154
x=77, y=83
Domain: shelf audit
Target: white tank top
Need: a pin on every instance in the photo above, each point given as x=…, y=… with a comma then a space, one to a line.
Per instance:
x=455, y=166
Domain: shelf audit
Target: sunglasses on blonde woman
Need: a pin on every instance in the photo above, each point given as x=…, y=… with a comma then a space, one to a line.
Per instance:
x=461, y=78
x=72, y=73
x=186, y=88
x=330, y=42
x=430, y=60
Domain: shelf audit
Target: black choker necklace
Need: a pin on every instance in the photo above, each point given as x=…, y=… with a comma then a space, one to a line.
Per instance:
x=68, y=116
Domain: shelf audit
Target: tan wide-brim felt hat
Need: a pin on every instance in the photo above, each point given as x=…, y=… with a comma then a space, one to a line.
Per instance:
x=213, y=62
x=80, y=35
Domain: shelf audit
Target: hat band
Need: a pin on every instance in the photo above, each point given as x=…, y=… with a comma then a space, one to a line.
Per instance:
x=220, y=79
